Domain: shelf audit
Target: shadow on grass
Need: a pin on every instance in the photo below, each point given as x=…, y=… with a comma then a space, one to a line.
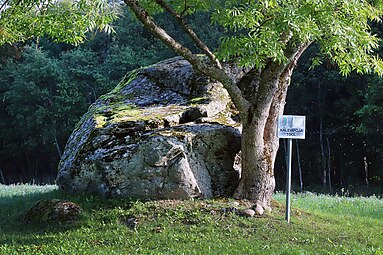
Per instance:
x=16, y=200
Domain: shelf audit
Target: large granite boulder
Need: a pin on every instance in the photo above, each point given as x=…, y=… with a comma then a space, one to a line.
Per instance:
x=163, y=132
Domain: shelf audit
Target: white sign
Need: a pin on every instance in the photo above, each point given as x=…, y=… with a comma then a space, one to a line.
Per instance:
x=290, y=126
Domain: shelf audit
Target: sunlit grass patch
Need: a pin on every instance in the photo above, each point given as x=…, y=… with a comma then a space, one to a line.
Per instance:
x=22, y=190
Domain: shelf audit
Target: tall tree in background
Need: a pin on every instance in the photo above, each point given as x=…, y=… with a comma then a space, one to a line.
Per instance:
x=266, y=39
x=42, y=98
x=329, y=102
x=371, y=125
x=35, y=96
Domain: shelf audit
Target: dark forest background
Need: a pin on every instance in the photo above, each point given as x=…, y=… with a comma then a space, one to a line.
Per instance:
x=46, y=87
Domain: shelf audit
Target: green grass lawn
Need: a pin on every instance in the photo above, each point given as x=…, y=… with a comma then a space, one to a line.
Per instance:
x=319, y=225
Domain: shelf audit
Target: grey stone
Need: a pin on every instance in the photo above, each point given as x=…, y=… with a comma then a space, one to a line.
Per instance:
x=248, y=212
x=142, y=139
x=259, y=210
x=234, y=204
x=54, y=210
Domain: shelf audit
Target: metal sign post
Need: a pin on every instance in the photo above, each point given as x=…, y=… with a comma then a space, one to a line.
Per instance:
x=288, y=178
x=290, y=127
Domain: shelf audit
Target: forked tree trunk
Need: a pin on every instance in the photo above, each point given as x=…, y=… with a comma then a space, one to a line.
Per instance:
x=260, y=145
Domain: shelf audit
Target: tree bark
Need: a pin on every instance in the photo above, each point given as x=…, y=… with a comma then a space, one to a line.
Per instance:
x=366, y=170
x=329, y=164
x=198, y=42
x=323, y=158
x=259, y=134
x=299, y=166
x=257, y=178
x=54, y=134
x=2, y=179
x=286, y=153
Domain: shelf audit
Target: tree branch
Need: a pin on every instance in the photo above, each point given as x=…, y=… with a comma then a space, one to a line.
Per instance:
x=169, y=41
x=213, y=72
x=186, y=7
x=3, y=5
x=197, y=41
x=274, y=71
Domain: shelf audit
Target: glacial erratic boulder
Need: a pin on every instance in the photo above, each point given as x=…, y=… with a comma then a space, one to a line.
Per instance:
x=163, y=132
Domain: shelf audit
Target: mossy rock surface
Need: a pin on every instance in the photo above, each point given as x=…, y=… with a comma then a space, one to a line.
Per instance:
x=54, y=210
x=163, y=132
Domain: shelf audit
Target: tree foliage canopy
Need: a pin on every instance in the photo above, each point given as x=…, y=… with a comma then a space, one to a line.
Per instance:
x=62, y=20
x=260, y=31
x=257, y=31
x=340, y=27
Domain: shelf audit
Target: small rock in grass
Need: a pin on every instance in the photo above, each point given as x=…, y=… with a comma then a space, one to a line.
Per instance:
x=234, y=204
x=229, y=210
x=259, y=210
x=131, y=222
x=248, y=212
x=53, y=210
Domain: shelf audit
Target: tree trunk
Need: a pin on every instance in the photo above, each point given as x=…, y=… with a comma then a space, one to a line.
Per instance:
x=257, y=177
x=366, y=170
x=2, y=179
x=299, y=166
x=260, y=144
x=329, y=164
x=323, y=158
x=286, y=153
x=54, y=134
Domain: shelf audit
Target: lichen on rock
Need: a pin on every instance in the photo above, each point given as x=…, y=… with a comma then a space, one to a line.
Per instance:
x=161, y=133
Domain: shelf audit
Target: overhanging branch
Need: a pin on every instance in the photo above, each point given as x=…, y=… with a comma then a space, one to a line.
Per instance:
x=3, y=5
x=197, y=41
x=169, y=41
x=186, y=7
x=213, y=72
